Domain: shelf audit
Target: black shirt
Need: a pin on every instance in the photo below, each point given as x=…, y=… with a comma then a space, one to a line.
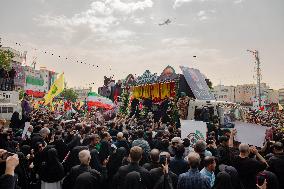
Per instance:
x=178, y=165
x=224, y=155
x=248, y=169
x=276, y=165
x=151, y=165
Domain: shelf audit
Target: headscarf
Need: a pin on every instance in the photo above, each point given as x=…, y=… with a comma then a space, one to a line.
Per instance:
x=73, y=158
x=223, y=181
x=15, y=123
x=115, y=161
x=236, y=183
x=52, y=170
x=22, y=172
x=25, y=149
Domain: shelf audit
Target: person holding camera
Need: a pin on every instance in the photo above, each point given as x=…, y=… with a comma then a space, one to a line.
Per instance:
x=8, y=180
x=163, y=177
x=249, y=167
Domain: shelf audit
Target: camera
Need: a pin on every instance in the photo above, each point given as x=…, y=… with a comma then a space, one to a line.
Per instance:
x=7, y=154
x=163, y=159
x=260, y=178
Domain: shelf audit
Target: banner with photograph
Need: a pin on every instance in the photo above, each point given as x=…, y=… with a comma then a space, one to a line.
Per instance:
x=197, y=83
x=194, y=130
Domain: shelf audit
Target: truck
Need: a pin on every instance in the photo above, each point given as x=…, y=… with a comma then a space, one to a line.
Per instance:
x=225, y=111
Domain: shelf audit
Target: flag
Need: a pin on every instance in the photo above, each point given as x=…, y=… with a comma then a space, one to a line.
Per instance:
x=98, y=101
x=55, y=89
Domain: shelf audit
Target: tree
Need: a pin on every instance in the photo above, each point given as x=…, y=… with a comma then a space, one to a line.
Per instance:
x=69, y=94
x=5, y=59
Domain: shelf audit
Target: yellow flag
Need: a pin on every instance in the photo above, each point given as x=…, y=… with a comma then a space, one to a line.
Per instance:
x=55, y=89
x=280, y=107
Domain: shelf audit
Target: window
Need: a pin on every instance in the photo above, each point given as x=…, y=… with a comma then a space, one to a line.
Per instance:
x=4, y=110
x=10, y=110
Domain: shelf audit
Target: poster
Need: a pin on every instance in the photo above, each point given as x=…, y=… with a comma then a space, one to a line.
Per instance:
x=20, y=78
x=27, y=125
x=197, y=83
x=194, y=130
x=251, y=134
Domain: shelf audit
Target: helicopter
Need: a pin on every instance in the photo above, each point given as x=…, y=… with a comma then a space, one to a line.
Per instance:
x=167, y=22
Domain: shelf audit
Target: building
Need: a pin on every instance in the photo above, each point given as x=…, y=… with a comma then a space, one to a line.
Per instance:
x=34, y=82
x=244, y=94
x=281, y=96
x=82, y=93
x=272, y=96
x=17, y=61
x=224, y=93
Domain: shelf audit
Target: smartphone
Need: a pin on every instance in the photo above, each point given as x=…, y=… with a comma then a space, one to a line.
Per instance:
x=7, y=154
x=163, y=159
x=260, y=178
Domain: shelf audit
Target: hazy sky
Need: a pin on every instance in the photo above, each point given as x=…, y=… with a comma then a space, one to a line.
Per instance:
x=123, y=36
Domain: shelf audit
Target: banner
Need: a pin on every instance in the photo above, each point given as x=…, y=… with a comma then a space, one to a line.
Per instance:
x=197, y=83
x=194, y=130
x=55, y=89
x=251, y=134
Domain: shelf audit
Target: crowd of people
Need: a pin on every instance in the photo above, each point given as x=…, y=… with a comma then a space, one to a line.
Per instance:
x=266, y=118
x=45, y=150
x=7, y=79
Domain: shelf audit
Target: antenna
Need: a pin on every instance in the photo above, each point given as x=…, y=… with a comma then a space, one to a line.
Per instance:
x=258, y=75
x=34, y=62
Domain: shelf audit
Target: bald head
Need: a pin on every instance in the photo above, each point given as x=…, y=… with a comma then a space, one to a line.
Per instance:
x=119, y=136
x=193, y=160
x=85, y=157
x=44, y=132
x=154, y=155
x=244, y=149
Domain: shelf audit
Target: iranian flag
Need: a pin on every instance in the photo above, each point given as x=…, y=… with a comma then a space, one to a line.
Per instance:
x=98, y=101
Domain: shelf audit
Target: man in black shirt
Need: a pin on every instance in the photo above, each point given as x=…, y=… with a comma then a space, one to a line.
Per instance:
x=247, y=167
x=177, y=164
x=169, y=178
x=226, y=147
x=154, y=156
x=276, y=163
x=135, y=156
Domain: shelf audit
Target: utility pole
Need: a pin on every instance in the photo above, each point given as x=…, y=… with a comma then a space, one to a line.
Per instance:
x=258, y=75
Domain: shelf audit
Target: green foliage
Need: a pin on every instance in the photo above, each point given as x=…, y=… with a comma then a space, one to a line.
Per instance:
x=21, y=94
x=5, y=59
x=69, y=94
x=124, y=102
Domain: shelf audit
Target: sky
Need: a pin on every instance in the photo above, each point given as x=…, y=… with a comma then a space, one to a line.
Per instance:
x=124, y=36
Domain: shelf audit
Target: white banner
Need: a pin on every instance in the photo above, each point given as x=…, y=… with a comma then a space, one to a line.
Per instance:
x=27, y=125
x=251, y=134
x=194, y=130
